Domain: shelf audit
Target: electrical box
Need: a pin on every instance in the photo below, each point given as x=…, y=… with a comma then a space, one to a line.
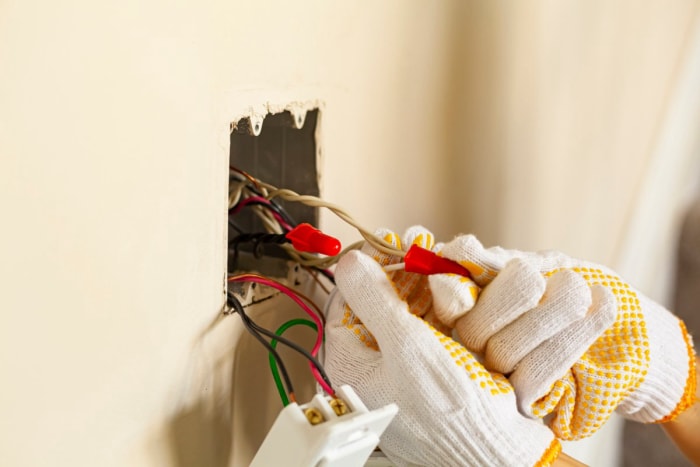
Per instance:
x=280, y=149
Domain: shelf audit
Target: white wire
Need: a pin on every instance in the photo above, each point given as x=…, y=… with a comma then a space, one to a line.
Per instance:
x=394, y=267
x=234, y=196
x=314, y=201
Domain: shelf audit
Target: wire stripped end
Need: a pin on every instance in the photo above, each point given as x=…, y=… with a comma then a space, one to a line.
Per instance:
x=306, y=238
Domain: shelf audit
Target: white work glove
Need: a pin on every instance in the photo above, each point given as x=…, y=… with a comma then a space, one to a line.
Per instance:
x=452, y=412
x=587, y=347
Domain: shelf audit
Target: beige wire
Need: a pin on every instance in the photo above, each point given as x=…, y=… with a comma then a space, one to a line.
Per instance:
x=314, y=201
x=234, y=196
x=307, y=259
x=323, y=262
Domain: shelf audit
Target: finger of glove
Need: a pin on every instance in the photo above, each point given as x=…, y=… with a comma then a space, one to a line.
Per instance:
x=390, y=237
x=368, y=291
x=483, y=264
x=515, y=290
x=419, y=235
x=453, y=296
x=566, y=299
x=540, y=369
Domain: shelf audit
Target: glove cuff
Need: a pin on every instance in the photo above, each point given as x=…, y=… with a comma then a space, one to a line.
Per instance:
x=668, y=385
x=550, y=454
x=689, y=395
x=503, y=438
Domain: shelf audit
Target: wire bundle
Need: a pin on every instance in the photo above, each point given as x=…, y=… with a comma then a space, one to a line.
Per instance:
x=275, y=360
x=248, y=192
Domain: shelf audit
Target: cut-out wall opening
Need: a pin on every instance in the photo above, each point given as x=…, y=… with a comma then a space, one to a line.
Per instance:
x=281, y=150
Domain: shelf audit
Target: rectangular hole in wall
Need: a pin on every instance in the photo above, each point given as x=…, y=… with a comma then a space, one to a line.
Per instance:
x=281, y=150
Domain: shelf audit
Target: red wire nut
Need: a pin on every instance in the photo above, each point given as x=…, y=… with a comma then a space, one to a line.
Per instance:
x=426, y=262
x=306, y=238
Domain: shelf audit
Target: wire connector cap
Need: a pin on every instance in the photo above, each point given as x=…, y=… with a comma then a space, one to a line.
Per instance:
x=306, y=238
x=426, y=262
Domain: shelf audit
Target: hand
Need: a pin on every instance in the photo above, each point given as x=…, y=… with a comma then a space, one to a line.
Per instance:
x=451, y=410
x=625, y=352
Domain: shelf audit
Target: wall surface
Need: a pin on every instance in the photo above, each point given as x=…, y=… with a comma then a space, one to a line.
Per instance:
x=531, y=125
x=114, y=143
x=561, y=108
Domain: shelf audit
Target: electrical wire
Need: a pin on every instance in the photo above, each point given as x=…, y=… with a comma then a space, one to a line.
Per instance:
x=260, y=201
x=312, y=304
x=314, y=275
x=314, y=201
x=276, y=337
x=252, y=179
x=296, y=298
x=261, y=197
x=257, y=190
x=270, y=192
x=247, y=323
x=316, y=314
x=296, y=347
x=273, y=362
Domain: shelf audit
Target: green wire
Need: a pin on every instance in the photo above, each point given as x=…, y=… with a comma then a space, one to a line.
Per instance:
x=273, y=363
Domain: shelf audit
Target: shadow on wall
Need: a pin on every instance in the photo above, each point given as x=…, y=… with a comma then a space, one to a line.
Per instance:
x=200, y=433
x=647, y=445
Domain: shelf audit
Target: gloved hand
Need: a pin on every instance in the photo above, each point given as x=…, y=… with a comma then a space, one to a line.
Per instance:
x=624, y=352
x=451, y=410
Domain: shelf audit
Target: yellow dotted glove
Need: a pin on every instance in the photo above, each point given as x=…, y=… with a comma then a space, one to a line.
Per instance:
x=622, y=353
x=451, y=410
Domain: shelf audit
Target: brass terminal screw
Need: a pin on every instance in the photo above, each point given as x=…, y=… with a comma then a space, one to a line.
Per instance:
x=313, y=416
x=339, y=407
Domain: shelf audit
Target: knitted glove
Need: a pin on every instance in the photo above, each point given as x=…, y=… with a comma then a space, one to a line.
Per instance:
x=615, y=349
x=451, y=410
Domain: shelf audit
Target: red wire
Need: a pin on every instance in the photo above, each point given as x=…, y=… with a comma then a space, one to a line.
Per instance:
x=291, y=294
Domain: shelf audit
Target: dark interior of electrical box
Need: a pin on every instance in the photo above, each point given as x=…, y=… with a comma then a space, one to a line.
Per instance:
x=283, y=155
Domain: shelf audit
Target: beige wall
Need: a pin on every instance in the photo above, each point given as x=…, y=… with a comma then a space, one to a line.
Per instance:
x=561, y=106
x=113, y=159
x=114, y=148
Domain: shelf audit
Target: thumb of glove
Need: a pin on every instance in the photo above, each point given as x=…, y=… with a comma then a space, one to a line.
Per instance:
x=367, y=290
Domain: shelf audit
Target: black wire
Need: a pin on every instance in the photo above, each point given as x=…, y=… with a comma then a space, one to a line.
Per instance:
x=257, y=238
x=283, y=212
x=279, y=210
x=250, y=327
x=294, y=347
x=278, y=207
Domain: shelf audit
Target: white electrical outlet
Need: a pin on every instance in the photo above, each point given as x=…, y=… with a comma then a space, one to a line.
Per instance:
x=325, y=432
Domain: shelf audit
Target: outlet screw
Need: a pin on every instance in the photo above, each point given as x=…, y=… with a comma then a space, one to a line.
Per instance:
x=313, y=416
x=339, y=407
